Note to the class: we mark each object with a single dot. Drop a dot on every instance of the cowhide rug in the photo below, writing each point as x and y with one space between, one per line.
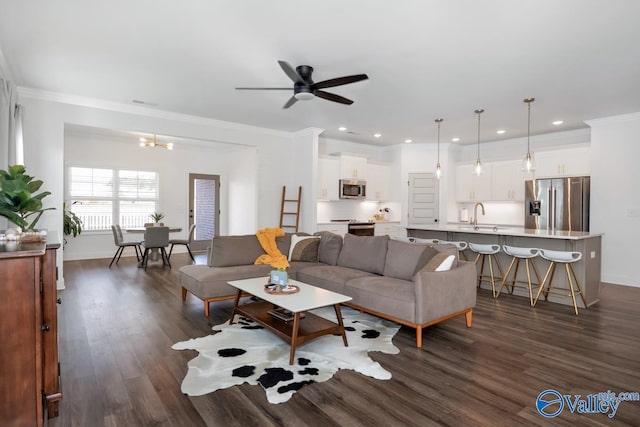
246 352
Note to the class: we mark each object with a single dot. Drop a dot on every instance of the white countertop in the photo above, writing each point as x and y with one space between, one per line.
346 223
507 231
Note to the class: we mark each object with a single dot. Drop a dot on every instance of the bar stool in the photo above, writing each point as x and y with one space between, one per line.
518 254
567 258
461 246
485 251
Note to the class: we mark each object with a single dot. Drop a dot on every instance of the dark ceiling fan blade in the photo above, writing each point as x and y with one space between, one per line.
263 88
332 97
341 81
289 71
290 102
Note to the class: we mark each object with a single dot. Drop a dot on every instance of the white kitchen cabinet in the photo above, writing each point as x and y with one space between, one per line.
507 181
377 182
340 229
470 187
567 162
328 179
352 167
392 229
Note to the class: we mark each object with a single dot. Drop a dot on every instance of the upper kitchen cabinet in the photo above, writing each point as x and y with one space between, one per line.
353 167
567 162
377 182
470 187
507 181
328 179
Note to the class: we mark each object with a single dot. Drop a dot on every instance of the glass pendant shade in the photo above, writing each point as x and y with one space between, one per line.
477 169
528 164
438 171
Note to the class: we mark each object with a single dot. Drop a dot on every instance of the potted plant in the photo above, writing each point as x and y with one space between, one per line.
18 203
72 223
157 217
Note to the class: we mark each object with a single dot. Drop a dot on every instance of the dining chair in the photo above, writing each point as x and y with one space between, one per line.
156 238
121 244
186 242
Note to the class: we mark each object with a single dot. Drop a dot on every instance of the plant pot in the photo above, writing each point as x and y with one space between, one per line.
279 278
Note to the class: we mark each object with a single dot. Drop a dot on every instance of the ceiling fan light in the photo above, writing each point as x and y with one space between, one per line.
304 94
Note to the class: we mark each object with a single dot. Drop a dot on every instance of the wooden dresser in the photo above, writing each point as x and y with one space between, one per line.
29 369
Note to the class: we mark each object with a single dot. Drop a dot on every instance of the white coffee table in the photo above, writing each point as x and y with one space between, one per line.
300 329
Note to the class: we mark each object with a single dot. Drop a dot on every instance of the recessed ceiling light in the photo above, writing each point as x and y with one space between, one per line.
342 128
455 139
501 131
408 141
377 135
557 122
143 139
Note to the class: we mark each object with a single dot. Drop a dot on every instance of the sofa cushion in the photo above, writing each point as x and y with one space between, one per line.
393 297
295 266
405 259
210 282
328 277
235 250
440 262
330 246
367 253
304 248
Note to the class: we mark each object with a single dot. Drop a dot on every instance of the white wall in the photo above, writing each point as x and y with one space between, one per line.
46 115
615 196
81 148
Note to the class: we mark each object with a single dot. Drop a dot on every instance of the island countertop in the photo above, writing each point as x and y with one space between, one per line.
507 231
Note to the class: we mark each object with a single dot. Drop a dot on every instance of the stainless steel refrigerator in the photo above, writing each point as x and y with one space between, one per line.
557 204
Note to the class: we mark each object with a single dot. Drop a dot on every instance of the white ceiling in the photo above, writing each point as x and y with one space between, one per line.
425 59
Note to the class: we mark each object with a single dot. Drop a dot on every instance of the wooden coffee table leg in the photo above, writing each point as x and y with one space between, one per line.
339 316
294 337
235 305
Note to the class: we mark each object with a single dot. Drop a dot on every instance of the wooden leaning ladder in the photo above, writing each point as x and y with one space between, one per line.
292 207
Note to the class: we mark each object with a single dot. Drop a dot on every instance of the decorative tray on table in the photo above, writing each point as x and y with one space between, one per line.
279 290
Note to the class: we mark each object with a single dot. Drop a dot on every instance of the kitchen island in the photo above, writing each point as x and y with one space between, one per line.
588 269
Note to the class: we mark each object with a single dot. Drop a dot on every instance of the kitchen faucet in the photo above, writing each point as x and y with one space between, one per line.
475 213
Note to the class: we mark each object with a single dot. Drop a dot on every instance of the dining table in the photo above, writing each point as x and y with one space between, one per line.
155 253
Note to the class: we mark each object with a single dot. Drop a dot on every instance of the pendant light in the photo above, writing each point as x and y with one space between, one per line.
527 162
438 170
477 170
144 142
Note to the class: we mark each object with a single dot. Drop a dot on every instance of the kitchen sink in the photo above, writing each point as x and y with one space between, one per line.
480 227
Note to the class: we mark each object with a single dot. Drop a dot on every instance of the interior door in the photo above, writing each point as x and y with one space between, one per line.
423 198
204 208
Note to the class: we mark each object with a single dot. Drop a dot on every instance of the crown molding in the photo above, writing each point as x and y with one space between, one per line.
101 104
614 119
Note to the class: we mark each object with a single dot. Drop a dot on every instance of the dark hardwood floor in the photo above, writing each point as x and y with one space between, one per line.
118 369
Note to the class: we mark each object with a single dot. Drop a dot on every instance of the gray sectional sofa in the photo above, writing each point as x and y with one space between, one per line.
388 278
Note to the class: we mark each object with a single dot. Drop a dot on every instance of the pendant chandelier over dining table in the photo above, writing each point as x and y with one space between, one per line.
144 142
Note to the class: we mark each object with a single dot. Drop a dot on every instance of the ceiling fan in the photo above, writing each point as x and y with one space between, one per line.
304 87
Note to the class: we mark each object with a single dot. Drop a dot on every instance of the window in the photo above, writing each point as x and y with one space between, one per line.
99 195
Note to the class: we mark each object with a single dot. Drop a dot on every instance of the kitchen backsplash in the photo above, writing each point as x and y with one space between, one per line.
505 213
355 209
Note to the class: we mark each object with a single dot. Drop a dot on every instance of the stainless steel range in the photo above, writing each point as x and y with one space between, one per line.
358 228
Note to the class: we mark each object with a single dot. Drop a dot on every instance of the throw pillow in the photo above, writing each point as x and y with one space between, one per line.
330 246
440 262
367 253
404 259
304 248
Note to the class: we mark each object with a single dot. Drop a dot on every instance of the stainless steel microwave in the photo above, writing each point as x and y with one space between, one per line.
353 189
